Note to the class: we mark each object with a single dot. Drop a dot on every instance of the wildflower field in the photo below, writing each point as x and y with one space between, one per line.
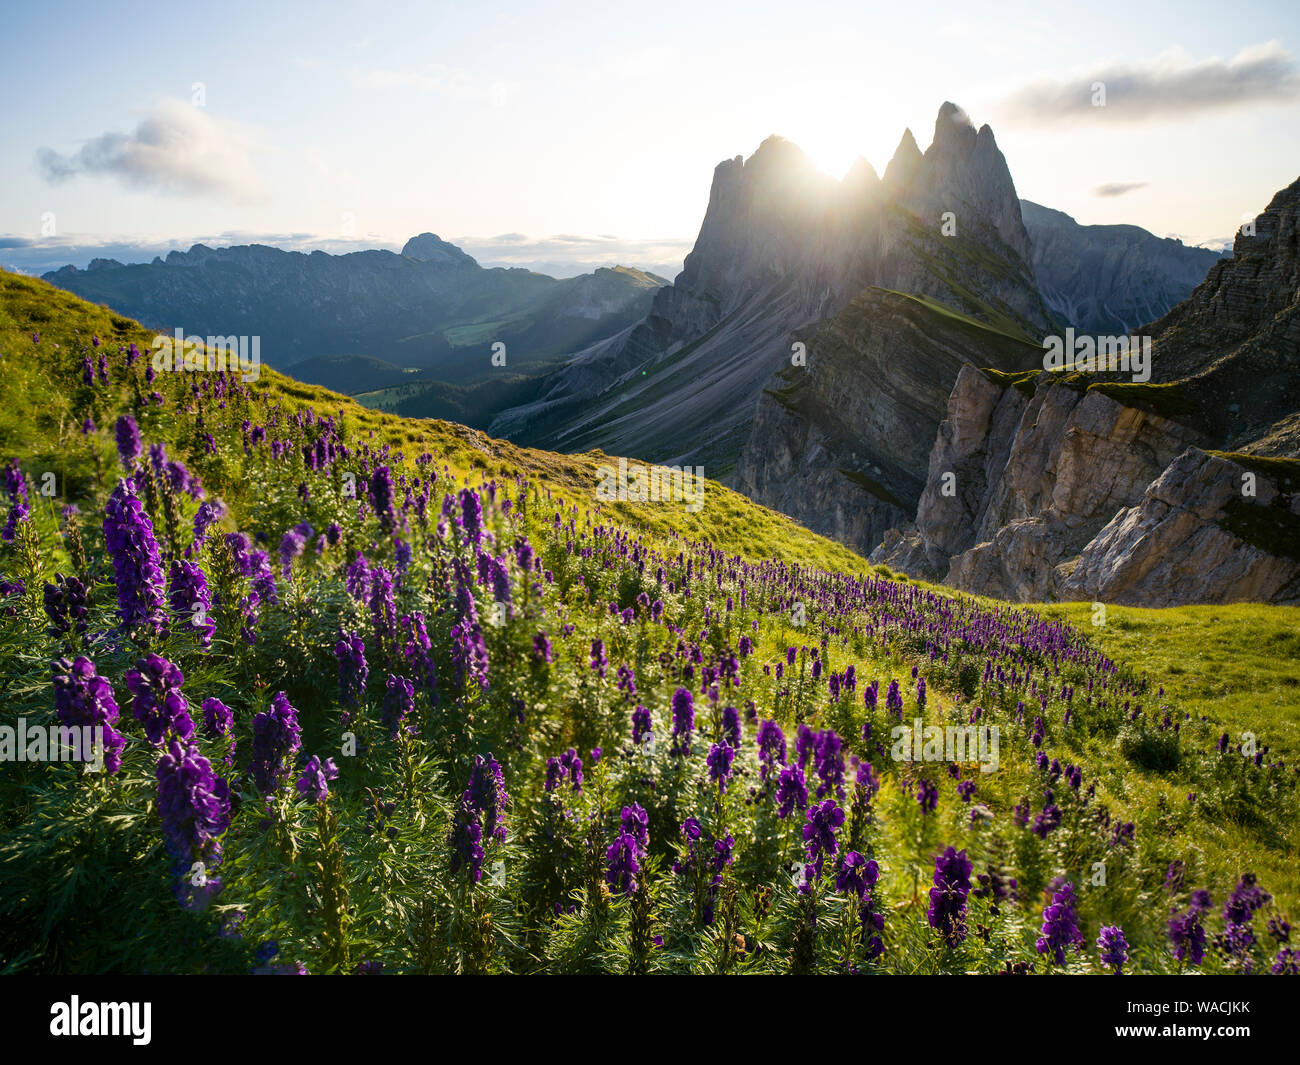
386 696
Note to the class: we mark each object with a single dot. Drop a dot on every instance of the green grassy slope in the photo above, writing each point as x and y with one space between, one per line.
43 427
1236 666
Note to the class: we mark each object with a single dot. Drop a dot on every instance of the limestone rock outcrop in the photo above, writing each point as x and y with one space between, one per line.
1197 537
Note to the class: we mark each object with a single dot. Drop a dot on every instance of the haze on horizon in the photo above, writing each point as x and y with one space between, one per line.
561 138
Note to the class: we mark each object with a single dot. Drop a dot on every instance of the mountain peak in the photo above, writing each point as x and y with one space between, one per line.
953 130
775 142
777 153
962 171
861 175
951 112
907 158
430 248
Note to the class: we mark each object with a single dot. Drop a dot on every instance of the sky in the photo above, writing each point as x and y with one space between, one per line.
568 135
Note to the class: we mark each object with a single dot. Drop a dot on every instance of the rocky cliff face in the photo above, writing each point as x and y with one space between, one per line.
1093 487
783 247
841 443
1040 489
1242 297
1233 347
1058 493
1108 280
1037 468
963 172
1196 536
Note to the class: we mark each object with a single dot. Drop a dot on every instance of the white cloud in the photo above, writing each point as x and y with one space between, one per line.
1118 188
1172 85
178 149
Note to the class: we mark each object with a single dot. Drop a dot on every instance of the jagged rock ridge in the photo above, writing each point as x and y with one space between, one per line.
783 247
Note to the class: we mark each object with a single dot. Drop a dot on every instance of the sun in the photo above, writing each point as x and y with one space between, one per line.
835 141
838 124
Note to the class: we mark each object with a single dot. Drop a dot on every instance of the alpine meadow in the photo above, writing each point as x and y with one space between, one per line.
898 578
381 694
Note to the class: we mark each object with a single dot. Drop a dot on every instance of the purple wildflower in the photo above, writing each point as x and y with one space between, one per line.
208 514
276 739
791 791
635 822
194 804
1187 935
481 807
731 726
313 785
819 838
1113 948
927 796
156 698
471 509
642 726
353 672
1060 926
418 652
137 562
947 912
719 761
469 653
66 605
624 858
219 723
771 747
683 721
84 699
857 875
1246 898
598 660
541 649
129 447
398 705
829 760
381 497
292 545
191 603
1050 818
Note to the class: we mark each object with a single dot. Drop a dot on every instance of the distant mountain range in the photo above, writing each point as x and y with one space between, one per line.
1109 279
371 316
